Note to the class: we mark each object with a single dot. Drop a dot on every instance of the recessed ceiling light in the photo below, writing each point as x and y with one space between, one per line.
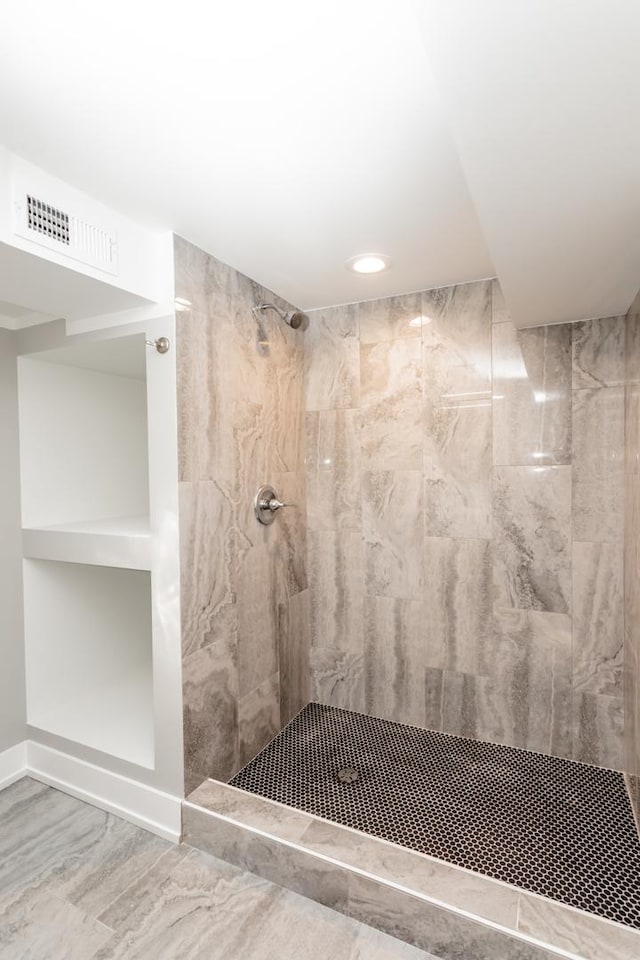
368 263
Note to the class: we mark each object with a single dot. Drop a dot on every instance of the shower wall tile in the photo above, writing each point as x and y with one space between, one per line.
598 352
258 718
598 622
288 551
457 463
394 658
337 678
525 700
532 558
598 470
632 558
531 395
457 410
257 620
293 655
457 330
391 402
210 705
208 548
598 730
458 622
507 534
499 310
336 574
392 529
333 470
391 318
450 701
333 359
240 424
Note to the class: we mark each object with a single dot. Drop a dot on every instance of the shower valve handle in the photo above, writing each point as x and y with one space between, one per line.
267 503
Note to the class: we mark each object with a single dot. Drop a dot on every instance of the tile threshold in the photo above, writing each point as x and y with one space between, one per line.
434 905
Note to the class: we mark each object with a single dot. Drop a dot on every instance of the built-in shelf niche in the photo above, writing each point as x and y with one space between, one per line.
89 656
83 451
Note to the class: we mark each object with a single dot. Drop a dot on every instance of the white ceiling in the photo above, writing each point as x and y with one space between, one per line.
543 99
285 138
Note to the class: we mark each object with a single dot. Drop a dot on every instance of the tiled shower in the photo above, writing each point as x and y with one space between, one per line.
460 553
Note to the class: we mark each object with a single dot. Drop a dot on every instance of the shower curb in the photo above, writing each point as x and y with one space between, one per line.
446 910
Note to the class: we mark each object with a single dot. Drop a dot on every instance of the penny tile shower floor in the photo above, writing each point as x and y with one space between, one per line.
555 827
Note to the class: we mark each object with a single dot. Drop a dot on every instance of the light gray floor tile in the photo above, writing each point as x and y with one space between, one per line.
157 902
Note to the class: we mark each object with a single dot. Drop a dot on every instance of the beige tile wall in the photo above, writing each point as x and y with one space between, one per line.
465 520
632 557
244 586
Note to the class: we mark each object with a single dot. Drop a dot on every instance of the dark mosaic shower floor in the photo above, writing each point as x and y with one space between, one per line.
561 829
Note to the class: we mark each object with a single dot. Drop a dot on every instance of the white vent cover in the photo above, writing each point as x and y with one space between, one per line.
61 230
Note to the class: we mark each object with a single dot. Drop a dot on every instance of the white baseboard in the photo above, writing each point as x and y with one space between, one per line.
13 764
158 812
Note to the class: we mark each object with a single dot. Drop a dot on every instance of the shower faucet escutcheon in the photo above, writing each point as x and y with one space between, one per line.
267 503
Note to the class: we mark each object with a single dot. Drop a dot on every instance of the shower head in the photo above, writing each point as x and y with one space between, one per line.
293 318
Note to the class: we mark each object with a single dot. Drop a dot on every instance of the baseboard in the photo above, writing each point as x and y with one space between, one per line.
158 812
13 764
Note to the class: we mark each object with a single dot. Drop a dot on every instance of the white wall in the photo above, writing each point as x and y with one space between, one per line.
12 688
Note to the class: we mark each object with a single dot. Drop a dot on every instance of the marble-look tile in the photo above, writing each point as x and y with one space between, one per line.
457 335
431 878
333 470
451 701
394 657
499 310
458 622
293 655
598 349
42 831
115 857
204 440
632 429
391 318
210 706
375 945
39 926
257 603
337 677
120 909
582 934
457 399
598 726
333 359
392 529
391 402
598 623
457 466
598 452
288 548
524 699
336 573
531 395
448 935
532 555
248 809
293 867
258 718
207 561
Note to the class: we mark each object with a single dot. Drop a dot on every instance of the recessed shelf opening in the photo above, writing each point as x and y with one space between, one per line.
89 656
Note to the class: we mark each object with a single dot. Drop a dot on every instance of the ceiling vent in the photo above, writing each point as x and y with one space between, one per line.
63 231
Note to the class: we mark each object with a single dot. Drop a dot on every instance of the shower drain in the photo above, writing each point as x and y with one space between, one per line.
347 775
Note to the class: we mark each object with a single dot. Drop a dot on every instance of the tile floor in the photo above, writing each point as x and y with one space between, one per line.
79 884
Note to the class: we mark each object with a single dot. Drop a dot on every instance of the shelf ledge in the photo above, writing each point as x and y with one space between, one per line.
113 542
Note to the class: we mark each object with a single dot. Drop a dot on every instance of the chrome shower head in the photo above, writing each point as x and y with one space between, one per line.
293 318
